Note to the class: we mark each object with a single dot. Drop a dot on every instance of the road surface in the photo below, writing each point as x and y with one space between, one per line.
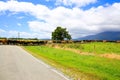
17 64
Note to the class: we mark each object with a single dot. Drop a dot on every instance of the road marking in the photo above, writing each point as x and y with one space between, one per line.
60 74
39 61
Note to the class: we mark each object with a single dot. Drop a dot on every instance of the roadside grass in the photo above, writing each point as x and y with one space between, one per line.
95 47
79 67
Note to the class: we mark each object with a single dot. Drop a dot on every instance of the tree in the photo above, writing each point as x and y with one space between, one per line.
60 34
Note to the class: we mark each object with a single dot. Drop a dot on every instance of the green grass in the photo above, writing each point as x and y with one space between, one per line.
75 65
95 47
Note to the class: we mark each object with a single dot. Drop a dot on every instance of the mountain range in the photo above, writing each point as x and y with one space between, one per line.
107 35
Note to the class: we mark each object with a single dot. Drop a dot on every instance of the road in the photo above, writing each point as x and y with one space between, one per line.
17 64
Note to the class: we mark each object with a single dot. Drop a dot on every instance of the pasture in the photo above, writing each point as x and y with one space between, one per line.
79 66
94 47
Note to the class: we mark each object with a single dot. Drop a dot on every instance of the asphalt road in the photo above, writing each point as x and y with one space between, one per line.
17 64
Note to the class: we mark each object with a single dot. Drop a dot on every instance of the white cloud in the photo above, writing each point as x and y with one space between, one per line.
79 22
27 35
47 0
20 17
19 24
12 0
14 34
6 26
78 3
2 31
37 26
42 28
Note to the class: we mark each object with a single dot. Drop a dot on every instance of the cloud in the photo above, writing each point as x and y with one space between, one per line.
12 0
78 22
14 34
86 22
20 17
37 26
42 28
6 26
19 24
2 31
78 3
47 0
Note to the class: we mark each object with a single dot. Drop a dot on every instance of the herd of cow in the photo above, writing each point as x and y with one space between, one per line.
5 41
21 42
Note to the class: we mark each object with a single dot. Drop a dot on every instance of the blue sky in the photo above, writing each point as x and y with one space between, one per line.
38 18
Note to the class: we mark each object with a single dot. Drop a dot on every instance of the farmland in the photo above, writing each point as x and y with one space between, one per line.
94 47
79 66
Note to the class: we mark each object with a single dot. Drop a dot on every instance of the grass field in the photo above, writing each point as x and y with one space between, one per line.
95 47
79 67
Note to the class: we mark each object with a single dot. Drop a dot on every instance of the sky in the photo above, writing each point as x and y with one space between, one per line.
39 18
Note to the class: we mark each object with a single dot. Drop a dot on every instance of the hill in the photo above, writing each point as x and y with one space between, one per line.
108 35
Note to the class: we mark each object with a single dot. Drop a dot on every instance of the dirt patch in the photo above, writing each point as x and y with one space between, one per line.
74 50
112 56
78 51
